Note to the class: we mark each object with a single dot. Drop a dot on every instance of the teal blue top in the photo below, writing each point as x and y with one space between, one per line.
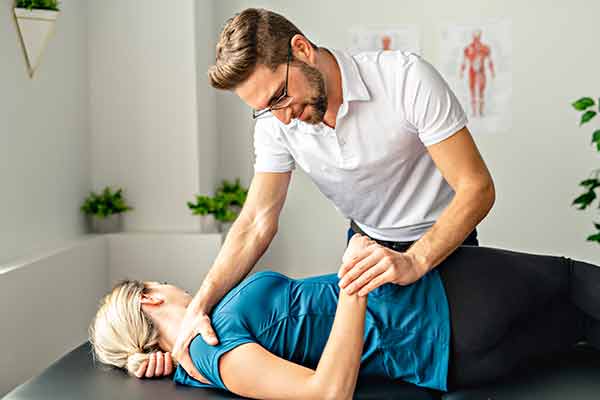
407 328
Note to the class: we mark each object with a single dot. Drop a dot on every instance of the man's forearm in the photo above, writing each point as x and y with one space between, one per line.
465 211
340 362
245 243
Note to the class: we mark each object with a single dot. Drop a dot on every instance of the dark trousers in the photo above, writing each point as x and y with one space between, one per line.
507 308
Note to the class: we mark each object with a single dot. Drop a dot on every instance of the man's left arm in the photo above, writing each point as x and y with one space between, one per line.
461 164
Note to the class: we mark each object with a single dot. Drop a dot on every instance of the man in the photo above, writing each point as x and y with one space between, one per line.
381 135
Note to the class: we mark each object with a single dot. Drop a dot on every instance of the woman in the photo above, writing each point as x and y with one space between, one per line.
314 340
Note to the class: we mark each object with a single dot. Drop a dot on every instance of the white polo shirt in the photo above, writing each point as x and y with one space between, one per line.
374 165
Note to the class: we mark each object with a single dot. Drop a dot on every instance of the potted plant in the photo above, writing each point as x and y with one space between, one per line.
206 208
35 20
234 193
105 210
587 106
218 213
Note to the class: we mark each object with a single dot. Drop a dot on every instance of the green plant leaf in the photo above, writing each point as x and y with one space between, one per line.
585 199
594 238
587 116
590 183
597 225
583 103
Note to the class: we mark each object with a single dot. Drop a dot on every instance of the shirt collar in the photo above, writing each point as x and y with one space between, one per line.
353 86
353 89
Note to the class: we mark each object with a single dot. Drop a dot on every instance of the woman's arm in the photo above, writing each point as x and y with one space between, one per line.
251 371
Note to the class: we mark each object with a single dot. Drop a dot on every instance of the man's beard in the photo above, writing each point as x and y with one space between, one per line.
318 100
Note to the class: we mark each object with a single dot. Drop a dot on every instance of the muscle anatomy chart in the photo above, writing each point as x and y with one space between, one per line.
476 61
401 37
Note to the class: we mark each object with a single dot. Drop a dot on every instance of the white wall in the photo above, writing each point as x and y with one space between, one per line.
536 165
143 109
46 305
44 142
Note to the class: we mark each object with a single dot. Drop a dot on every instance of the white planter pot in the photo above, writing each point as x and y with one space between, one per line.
225 227
208 224
111 224
35 28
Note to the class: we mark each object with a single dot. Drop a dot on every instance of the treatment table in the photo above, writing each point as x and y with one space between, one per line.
575 376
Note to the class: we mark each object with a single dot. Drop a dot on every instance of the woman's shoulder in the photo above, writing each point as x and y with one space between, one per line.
257 285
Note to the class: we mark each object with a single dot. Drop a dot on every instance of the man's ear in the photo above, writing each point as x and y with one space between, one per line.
303 50
152 299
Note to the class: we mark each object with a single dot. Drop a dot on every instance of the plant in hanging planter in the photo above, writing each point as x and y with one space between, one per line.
587 106
51 5
35 20
105 210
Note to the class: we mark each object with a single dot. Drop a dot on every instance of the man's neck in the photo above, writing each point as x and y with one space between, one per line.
333 84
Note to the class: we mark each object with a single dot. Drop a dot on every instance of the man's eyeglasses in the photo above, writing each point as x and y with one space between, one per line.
282 101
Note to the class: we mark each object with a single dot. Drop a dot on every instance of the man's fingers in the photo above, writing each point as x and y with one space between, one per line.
151 365
141 370
159 363
207 332
349 264
367 276
168 364
379 280
358 269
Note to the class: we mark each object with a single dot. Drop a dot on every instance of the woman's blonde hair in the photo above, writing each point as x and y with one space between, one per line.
121 333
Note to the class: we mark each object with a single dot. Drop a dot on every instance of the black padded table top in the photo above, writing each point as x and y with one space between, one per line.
575 377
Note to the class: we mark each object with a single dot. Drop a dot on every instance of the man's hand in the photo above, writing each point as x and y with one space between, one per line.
193 323
160 364
374 265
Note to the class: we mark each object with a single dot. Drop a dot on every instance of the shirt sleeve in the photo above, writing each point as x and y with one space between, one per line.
232 333
272 155
431 106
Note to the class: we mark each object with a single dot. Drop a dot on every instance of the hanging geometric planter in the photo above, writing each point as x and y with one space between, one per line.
35 28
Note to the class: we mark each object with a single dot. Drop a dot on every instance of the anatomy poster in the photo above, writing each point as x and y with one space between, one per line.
476 61
401 37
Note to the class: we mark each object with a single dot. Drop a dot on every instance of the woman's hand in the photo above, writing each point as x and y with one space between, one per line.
370 265
159 364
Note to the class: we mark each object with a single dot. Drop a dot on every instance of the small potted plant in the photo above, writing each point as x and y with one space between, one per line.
206 208
223 212
35 20
234 192
105 210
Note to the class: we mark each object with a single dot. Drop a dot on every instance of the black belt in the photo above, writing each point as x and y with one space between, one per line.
403 246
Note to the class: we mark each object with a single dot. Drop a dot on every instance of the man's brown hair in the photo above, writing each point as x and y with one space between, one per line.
254 36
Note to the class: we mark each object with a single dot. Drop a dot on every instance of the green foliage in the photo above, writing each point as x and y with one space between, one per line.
228 194
591 184
105 204
38 4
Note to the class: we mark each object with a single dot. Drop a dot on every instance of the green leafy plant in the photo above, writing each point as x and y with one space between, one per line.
105 204
586 106
38 4
233 192
228 194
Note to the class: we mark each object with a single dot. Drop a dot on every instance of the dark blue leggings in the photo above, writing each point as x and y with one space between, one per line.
507 308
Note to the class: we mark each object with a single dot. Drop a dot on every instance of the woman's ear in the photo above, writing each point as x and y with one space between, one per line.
153 299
